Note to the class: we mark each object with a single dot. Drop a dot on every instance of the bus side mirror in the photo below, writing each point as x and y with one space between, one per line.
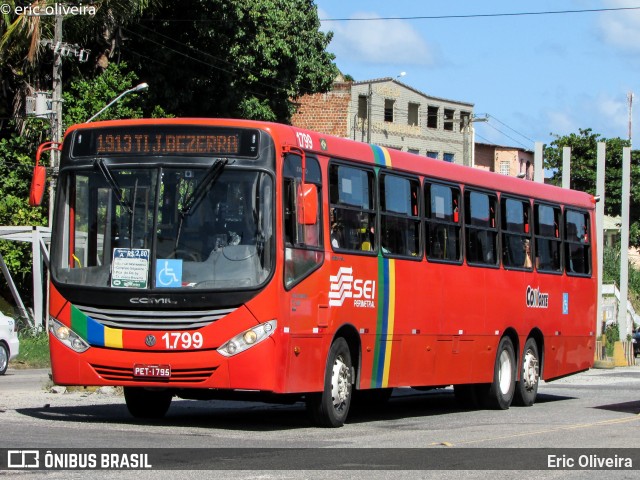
39 178
307 204
38 183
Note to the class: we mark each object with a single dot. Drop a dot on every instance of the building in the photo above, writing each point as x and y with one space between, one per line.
392 114
502 159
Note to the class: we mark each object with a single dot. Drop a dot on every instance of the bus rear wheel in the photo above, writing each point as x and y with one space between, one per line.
527 387
146 403
330 408
502 389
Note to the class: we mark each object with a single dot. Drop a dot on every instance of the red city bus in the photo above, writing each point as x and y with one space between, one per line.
209 258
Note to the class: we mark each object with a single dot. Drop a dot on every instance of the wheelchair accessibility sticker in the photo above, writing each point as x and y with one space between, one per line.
168 273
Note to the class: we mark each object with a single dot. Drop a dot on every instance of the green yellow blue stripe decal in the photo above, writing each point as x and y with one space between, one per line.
381 156
385 322
93 332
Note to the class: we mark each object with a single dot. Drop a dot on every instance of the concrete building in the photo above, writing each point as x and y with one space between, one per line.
505 160
389 113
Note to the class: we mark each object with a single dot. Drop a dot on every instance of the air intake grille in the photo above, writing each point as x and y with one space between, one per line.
154 320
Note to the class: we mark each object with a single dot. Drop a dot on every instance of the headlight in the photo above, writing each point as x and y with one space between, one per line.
67 336
248 339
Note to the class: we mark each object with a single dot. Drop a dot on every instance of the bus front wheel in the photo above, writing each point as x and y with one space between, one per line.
145 403
330 408
502 389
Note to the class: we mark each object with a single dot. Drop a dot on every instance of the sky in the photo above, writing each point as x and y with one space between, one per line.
536 76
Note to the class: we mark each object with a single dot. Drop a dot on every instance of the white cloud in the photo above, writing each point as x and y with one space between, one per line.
391 42
621 29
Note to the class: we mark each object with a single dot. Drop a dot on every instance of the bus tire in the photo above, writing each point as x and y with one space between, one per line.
527 387
330 408
145 403
502 389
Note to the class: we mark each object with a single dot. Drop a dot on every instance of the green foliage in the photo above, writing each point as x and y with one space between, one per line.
34 350
85 97
231 58
584 167
611 274
16 164
612 334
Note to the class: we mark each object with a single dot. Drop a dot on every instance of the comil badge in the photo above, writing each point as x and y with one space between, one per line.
345 286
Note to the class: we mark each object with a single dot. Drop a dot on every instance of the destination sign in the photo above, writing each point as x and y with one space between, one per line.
165 140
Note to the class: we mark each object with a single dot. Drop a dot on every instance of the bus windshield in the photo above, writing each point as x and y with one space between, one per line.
170 227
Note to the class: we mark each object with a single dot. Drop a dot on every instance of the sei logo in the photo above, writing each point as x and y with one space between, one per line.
344 285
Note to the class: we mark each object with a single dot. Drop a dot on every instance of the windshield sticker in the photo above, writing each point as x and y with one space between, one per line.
130 268
169 273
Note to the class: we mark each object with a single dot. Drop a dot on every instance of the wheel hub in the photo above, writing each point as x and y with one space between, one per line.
530 371
340 383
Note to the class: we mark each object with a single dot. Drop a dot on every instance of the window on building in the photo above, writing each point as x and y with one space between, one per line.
448 157
442 222
481 231
448 119
505 167
412 116
400 221
577 245
547 238
362 106
432 154
388 110
432 117
352 208
516 234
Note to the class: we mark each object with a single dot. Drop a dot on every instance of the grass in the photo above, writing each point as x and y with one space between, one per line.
34 351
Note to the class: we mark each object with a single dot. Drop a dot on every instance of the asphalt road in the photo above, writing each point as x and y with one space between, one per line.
592 411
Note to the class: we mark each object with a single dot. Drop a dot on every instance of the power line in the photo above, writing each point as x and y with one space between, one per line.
479 15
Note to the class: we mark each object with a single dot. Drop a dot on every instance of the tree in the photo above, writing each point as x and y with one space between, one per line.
583 172
236 58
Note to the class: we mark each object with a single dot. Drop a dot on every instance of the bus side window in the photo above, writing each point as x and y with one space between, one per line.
352 197
481 232
577 247
516 239
303 242
400 221
547 238
442 222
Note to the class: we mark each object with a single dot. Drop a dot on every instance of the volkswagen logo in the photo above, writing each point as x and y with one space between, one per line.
150 341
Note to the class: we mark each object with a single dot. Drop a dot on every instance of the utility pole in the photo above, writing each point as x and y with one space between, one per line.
630 103
56 118
369 100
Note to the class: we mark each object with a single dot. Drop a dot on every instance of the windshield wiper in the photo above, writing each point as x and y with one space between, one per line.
115 188
205 185
199 192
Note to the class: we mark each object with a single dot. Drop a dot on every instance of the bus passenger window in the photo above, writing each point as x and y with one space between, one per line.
547 238
516 236
442 225
577 246
400 221
481 231
352 198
